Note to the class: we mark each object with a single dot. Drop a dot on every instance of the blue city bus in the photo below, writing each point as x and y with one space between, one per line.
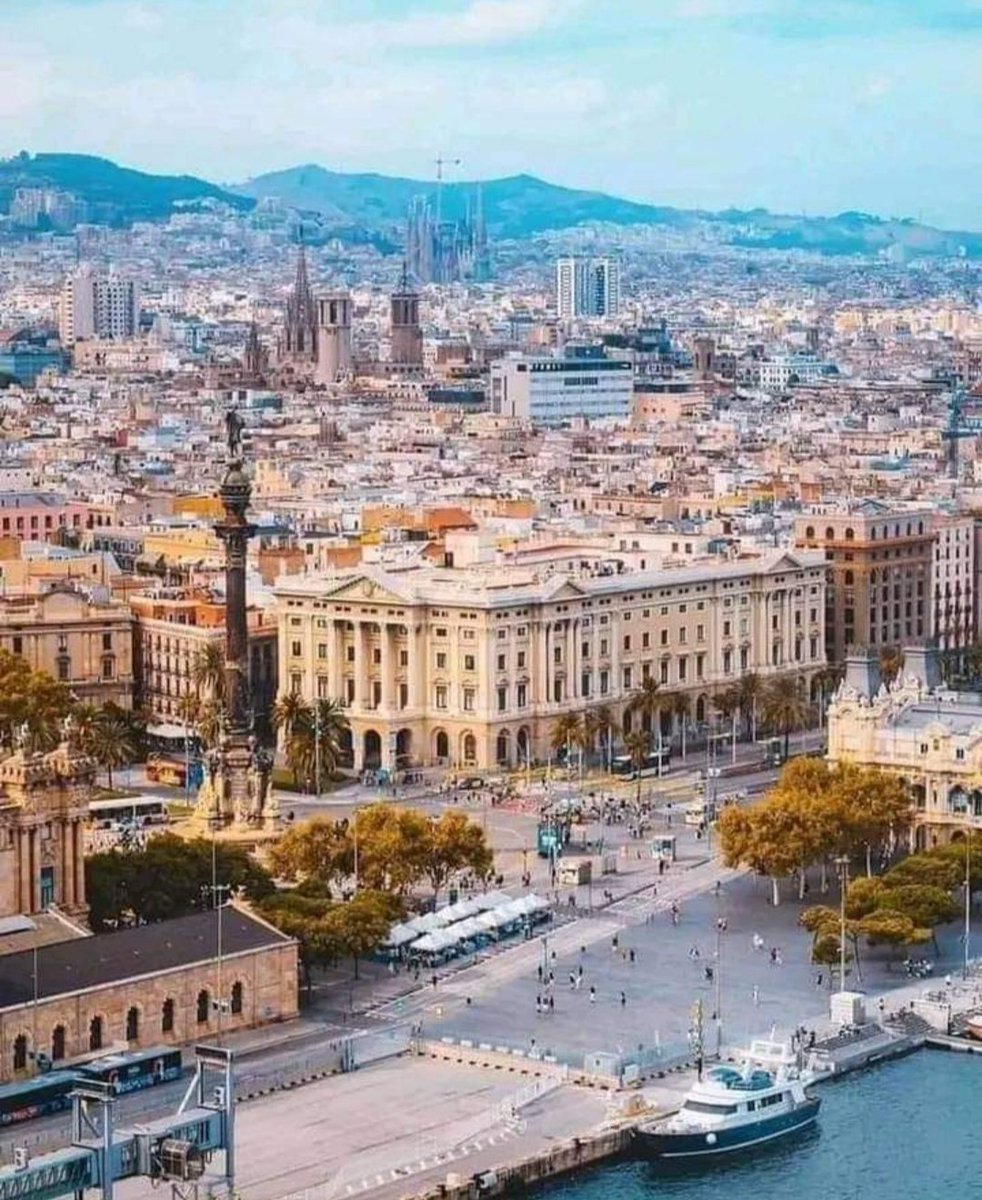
38 1097
132 1071
656 762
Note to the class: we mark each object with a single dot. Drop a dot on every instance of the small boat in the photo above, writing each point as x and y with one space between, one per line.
735 1108
974 1028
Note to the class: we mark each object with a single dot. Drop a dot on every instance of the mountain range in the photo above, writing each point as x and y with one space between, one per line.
516 206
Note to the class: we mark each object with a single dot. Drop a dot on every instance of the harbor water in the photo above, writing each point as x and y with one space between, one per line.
907 1130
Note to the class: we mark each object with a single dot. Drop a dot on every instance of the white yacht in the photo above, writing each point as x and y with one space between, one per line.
736 1108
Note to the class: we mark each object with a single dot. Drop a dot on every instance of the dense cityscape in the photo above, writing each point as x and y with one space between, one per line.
490 680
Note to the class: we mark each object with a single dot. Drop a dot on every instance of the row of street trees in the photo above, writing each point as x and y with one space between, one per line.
780 705
901 908
353 876
814 814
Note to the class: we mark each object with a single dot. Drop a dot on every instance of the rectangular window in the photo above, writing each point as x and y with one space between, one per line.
557 654
604 682
521 659
502 660
18 644
726 629
700 633
403 658
469 661
683 668
107 641
296 649
468 699
403 695
349 654
502 699
645 641
377 655
376 693
441 696
349 690
627 678
296 683
683 635
522 695
441 661
663 671
322 649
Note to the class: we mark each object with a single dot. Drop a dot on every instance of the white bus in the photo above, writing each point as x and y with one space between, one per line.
128 811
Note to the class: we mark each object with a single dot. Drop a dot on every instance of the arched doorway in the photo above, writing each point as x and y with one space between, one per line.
95 1033
373 750
522 745
701 710
58 1043
502 749
347 747
404 747
441 745
468 748
133 1024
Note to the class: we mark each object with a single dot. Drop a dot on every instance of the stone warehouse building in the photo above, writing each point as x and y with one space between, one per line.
471 666
160 984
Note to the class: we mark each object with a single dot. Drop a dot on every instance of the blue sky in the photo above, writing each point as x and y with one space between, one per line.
815 107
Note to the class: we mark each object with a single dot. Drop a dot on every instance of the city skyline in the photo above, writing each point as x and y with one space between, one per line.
621 107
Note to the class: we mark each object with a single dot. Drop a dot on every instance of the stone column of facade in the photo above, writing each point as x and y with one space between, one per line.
358 665
68 864
386 635
545 696
615 659
78 863
24 866
35 860
335 660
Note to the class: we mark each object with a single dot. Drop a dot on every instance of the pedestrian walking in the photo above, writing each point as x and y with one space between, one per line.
572 981
614 942
694 953
593 995
708 971
675 913
756 994
539 970
552 1005
623 1000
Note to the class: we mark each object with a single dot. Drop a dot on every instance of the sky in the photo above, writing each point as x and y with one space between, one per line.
813 107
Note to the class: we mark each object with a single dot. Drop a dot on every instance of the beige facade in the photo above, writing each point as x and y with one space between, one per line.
43 804
919 729
172 628
880 566
82 640
472 667
143 997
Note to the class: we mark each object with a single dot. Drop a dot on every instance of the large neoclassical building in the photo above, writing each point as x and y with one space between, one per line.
918 728
471 666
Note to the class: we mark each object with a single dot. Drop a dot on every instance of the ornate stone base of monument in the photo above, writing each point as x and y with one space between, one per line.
236 801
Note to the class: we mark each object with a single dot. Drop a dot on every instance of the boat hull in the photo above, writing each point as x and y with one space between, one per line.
712 1144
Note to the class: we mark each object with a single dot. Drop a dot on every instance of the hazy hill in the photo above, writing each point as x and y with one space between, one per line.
115 195
515 206
520 205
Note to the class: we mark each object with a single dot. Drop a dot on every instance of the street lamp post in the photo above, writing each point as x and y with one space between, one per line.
842 862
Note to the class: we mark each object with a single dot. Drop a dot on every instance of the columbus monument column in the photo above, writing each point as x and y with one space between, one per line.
236 793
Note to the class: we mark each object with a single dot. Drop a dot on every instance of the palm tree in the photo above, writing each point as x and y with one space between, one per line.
827 679
647 703
291 712
113 741
208 670
328 726
680 706
638 744
891 660
748 689
784 706
567 731
85 717
598 722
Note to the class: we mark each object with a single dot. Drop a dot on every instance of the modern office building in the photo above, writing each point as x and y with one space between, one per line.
587 288
582 383
472 665
96 306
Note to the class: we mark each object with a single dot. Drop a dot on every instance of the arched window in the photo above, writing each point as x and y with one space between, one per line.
236 997
503 748
442 745
203 1006
810 533
57 1043
830 534
470 748
133 1024
850 534
167 1017
20 1052
95 1033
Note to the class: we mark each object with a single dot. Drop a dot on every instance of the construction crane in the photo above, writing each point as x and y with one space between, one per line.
442 162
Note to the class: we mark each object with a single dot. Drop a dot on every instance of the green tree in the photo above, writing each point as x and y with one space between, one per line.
567 732
680 707
320 850
784 706
208 671
456 844
113 741
358 927
598 726
169 877
30 701
646 703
